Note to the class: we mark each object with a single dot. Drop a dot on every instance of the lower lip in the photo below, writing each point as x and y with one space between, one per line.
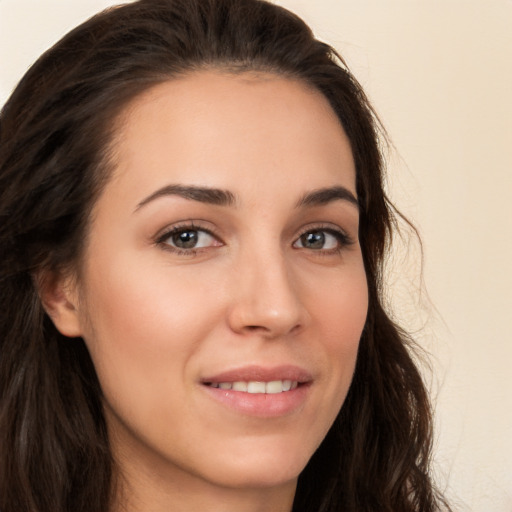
263 405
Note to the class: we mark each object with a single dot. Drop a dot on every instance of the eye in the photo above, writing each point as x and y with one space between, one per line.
188 238
322 239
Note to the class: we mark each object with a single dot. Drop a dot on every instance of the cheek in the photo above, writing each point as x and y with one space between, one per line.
142 328
132 299
345 313
341 315
340 308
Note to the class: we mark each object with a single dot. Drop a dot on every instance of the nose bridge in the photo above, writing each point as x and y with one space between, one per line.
266 297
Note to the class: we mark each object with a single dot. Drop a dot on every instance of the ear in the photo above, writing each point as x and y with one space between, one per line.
59 296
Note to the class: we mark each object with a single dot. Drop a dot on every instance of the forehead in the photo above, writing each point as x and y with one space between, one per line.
219 129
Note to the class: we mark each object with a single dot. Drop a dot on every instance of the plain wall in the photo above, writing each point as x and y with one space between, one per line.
440 76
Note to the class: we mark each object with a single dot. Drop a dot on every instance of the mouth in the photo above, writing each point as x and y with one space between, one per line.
261 391
272 387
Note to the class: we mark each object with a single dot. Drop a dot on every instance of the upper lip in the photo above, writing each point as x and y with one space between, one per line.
261 374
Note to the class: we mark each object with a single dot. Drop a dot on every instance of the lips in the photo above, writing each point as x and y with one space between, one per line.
260 391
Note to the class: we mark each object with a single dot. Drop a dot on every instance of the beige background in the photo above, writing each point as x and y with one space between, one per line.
440 75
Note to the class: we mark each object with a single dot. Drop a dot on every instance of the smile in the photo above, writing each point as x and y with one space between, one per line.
260 391
257 387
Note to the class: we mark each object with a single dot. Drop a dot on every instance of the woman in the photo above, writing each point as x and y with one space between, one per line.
192 232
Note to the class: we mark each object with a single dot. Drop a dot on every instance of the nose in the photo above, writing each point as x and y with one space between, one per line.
266 298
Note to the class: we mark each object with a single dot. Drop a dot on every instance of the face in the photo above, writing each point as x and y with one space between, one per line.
223 293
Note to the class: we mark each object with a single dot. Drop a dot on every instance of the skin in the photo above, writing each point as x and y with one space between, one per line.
158 320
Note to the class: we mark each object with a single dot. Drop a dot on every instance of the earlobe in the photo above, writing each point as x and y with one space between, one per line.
59 298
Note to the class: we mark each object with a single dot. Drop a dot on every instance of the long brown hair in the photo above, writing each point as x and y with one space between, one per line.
55 135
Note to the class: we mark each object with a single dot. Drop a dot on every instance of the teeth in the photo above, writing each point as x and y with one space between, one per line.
239 386
256 387
276 386
253 387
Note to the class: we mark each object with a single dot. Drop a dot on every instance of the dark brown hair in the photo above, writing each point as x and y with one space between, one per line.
55 135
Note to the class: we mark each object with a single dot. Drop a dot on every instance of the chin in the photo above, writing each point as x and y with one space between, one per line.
260 470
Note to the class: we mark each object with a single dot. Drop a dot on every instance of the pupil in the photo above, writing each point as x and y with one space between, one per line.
185 239
314 240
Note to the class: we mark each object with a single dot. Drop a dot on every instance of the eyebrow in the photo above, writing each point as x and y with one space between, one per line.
220 197
207 195
326 195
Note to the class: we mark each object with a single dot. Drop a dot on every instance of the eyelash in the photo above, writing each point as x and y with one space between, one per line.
182 228
343 239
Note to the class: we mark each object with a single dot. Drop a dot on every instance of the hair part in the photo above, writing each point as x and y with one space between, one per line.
57 149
